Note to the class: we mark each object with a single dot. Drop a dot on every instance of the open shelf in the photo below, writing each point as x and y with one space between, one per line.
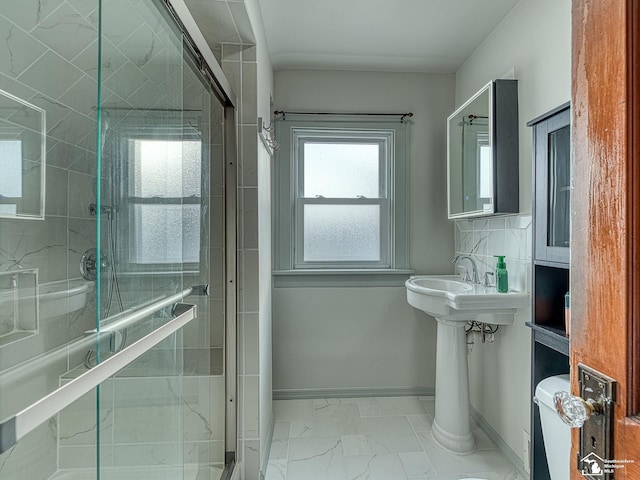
550 286
551 337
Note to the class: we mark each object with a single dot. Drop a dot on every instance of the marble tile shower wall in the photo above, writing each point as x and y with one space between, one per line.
141 425
509 236
48 57
45 60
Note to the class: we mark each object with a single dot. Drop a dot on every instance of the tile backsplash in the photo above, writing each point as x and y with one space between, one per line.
510 236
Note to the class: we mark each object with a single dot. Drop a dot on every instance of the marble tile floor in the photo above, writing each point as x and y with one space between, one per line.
381 438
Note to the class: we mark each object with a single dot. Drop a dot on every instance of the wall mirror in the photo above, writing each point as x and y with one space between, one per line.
22 158
482 154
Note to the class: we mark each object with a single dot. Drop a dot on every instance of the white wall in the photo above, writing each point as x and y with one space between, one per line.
535 39
369 338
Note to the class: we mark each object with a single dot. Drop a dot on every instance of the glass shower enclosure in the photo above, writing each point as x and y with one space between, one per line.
112 245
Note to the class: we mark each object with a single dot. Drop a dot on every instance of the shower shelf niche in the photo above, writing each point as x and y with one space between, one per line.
25 304
19 316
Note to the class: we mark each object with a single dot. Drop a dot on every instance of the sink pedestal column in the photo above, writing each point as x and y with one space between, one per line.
453 303
452 423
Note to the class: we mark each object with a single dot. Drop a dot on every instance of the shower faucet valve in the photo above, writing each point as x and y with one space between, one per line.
89 264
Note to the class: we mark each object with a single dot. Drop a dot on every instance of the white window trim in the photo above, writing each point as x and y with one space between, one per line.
393 268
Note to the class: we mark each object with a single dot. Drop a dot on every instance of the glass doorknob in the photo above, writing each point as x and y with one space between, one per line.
574 411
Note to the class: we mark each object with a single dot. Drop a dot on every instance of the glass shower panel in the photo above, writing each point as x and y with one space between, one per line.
144 160
141 419
113 140
47 149
141 190
136 425
203 383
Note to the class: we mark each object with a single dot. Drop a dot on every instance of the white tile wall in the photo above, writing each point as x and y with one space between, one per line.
509 236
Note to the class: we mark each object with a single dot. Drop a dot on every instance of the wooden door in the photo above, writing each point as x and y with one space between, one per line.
605 253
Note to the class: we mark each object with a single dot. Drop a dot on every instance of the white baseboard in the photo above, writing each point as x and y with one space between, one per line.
513 458
308 393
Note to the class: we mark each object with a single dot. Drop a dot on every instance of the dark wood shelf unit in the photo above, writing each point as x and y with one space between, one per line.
549 341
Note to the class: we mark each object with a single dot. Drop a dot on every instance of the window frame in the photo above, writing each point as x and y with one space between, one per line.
384 140
293 132
179 125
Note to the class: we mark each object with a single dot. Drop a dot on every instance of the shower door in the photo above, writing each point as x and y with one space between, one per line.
112 245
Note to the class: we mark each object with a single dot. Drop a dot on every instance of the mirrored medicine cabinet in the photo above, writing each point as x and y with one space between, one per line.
482 153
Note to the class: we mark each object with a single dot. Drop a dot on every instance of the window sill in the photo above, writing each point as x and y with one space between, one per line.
340 278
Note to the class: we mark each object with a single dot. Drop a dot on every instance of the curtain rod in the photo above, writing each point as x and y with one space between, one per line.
283 114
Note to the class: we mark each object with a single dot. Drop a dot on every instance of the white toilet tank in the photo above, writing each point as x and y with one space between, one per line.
556 434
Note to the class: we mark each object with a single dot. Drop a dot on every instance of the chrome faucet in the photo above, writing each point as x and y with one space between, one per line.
474 268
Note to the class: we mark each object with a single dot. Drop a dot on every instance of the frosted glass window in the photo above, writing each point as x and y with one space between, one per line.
338 233
8 209
166 234
11 167
165 189
191 233
341 170
161 165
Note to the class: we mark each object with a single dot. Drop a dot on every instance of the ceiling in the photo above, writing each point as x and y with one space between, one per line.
222 21
434 36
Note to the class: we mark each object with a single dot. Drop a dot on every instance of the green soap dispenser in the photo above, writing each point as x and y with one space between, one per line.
502 276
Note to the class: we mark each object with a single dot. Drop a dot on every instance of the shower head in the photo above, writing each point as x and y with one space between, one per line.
107 210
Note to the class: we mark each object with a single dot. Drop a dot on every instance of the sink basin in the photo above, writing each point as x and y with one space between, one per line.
453 303
446 297
438 283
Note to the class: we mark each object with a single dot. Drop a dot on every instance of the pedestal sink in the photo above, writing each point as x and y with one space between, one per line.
453 303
